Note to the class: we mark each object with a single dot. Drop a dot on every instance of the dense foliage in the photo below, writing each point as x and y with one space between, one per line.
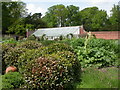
50 72
92 18
98 57
12 80
12 55
42 51
11 12
53 53
96 52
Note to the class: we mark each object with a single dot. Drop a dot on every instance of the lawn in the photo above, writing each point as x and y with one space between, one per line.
0 82
99 78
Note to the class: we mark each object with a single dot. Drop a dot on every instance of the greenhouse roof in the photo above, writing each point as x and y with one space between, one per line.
57 31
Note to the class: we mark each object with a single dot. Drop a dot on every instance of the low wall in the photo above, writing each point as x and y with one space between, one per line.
103 34
107 34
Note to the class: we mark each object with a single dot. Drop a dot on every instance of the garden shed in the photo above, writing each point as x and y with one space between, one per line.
53 33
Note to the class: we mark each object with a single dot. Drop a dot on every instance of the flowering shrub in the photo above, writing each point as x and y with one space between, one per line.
49 72
31 62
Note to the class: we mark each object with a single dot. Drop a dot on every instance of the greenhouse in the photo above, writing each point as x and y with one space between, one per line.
52 33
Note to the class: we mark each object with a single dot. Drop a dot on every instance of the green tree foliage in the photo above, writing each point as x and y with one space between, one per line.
115 17
35 20
56 15
30 22
93 19
19 27
12 11
73 16
113 22
59 15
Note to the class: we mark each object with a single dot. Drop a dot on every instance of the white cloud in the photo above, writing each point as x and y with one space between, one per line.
35 6
100 1
32 8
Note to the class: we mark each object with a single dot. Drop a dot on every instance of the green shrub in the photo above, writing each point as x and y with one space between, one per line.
54 52
10 40
12 80
12 55
5 48
29 45
98 52
96 57
110 45
42 51
72 58
51 71
27 57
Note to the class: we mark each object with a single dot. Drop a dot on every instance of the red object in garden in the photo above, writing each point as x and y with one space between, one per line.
10 68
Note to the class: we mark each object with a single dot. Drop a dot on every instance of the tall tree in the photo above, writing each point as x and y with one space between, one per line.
35 20
12 11
92 18
72 16
56 15
115 17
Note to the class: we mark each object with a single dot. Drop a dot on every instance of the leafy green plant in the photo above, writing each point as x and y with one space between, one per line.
110 45
98 52
7 46
77 42
96 57
55 52
72 58
10 41
12 80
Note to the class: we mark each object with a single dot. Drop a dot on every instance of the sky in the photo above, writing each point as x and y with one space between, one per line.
41 6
